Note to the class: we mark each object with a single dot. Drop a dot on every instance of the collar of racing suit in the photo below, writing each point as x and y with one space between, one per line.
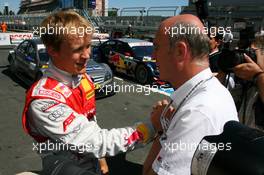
66 78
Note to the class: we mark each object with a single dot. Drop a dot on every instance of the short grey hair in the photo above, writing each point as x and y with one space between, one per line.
197 41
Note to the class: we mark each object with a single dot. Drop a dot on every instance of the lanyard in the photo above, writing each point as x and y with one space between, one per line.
165 122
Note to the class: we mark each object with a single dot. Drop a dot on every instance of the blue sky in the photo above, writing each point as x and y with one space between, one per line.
144 3
14 4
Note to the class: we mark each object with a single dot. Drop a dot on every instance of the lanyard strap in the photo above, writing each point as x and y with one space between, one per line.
165 122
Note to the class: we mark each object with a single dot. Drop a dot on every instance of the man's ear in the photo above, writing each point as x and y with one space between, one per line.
52 52
180 51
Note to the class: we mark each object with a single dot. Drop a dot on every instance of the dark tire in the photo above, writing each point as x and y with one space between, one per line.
142 74
9 58
12 66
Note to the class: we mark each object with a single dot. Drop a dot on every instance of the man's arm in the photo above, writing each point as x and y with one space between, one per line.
154 151
251 70
248 70
61 123
156 146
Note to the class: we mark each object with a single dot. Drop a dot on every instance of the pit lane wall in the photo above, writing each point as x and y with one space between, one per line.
13 38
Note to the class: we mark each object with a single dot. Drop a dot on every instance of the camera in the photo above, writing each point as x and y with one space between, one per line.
237 150
228 59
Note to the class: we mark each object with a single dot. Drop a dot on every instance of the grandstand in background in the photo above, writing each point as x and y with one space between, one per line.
234 13
241 15
144 21
94 7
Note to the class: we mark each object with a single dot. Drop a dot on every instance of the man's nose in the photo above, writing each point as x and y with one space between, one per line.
86 53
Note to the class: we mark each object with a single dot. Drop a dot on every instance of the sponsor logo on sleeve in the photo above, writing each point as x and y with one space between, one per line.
68 121
49 93
56 114
134 137
48 105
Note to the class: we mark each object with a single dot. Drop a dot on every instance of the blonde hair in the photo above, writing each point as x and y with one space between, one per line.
63 25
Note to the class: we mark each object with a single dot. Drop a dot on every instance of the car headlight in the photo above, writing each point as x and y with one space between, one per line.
108 75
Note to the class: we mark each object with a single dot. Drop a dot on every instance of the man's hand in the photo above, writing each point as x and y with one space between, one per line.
157 111
246 71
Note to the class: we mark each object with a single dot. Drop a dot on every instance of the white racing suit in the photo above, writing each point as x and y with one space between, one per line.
60 123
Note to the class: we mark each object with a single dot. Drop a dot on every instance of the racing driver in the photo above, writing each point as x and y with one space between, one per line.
59 111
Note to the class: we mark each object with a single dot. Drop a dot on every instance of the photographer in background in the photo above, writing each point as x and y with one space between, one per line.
252 108
248 93
215 51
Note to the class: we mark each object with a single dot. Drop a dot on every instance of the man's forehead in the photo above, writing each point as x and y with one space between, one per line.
74 40
78 36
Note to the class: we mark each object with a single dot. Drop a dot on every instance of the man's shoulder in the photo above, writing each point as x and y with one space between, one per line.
211 91
215 88
216 97
215 102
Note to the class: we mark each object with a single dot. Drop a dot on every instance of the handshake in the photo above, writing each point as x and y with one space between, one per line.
161 115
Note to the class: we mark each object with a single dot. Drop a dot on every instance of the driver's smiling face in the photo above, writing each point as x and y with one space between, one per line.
73 54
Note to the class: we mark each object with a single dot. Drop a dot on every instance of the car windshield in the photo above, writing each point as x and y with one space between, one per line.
141 51
43 55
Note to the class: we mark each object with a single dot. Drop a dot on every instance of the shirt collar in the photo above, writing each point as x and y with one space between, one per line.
66 78
178 95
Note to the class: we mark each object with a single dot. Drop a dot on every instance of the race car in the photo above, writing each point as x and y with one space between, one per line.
132 57
29 60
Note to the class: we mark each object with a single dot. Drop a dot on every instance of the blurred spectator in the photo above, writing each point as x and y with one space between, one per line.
129 33
215 50
4 27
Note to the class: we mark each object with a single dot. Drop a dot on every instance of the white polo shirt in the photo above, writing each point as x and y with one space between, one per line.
205 112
